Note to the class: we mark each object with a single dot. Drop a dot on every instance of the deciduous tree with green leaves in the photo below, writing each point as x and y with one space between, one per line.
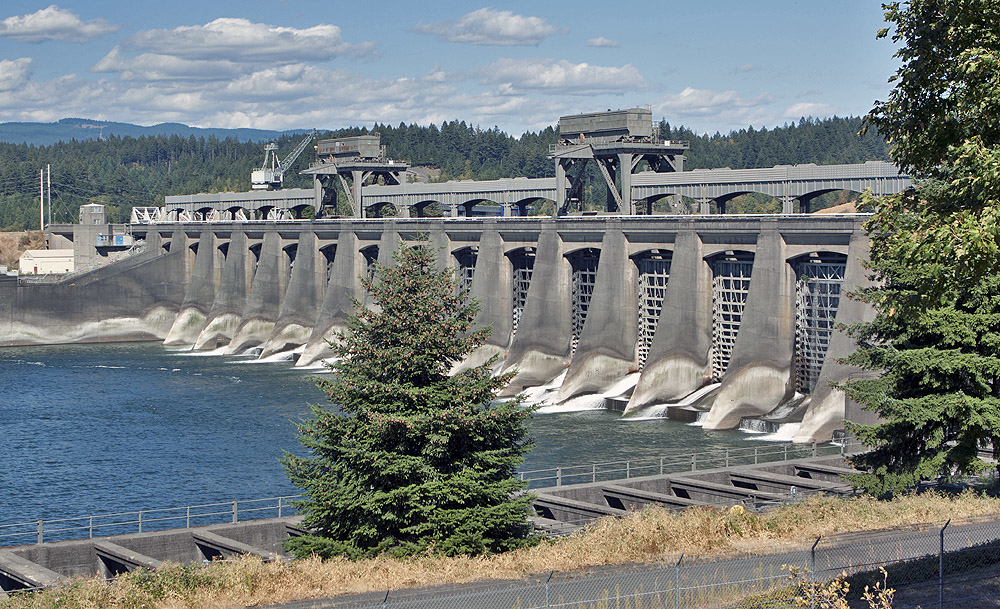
935 341
413 459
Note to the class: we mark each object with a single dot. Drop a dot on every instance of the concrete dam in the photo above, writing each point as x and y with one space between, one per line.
720 319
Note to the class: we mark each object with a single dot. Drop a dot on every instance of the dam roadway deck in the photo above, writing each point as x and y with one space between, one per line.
723 317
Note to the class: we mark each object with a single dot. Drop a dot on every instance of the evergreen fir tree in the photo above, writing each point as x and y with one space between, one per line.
415 459
935 340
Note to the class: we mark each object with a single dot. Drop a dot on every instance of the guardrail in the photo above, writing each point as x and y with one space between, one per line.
680 462
139 521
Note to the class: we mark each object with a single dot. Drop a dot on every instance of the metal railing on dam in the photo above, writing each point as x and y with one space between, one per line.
165 518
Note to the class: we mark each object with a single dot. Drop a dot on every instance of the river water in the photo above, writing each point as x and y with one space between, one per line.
88 429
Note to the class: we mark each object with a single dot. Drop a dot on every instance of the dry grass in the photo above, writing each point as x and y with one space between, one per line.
648 536
13 244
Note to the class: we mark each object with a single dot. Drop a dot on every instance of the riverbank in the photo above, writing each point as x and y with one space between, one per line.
13 244
646 537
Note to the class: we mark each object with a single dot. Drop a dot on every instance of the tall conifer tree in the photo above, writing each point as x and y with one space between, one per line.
935 341
415 459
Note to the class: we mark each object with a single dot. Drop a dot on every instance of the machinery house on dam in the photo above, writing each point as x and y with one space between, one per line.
725 319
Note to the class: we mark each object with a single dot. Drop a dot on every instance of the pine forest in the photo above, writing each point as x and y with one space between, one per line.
125 172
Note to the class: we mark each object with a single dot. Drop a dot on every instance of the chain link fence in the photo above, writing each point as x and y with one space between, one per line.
954 565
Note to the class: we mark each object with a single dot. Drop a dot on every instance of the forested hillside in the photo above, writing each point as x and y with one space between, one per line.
122 172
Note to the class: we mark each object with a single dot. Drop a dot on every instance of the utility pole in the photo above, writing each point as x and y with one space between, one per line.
48 180
41 199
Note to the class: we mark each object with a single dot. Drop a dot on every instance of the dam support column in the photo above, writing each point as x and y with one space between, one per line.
828 405
606 351
264 300
199 296
543 342
154 243
439 242
759 376
230 299
344 287
302 300
387 246
179 246
678 361
492 287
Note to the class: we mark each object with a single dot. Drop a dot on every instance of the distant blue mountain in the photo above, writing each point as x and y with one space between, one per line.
67 129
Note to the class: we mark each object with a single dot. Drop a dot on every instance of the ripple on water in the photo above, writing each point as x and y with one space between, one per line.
105 428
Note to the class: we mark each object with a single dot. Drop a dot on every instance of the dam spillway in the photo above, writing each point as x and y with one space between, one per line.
744 302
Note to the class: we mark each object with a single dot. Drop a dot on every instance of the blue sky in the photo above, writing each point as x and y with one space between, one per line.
284 64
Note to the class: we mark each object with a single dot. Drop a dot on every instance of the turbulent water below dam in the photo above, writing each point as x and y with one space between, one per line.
93 429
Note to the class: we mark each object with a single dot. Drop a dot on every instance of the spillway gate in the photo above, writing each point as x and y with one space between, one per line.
817 297
654 273
730 286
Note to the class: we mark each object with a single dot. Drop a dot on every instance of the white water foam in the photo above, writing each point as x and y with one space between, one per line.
786 433
658 411
540 395
649 413
280 356
700 421
192 353
320 366
592 401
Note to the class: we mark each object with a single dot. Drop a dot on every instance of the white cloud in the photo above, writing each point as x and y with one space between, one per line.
58 98
808 109
715 110
152 67
704 102
240 40
53 23
513 76
601 41
14 73
490 27
747 67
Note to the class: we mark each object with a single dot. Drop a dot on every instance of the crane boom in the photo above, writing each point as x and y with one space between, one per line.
271 174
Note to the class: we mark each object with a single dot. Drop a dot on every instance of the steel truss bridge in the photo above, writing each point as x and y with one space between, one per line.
513 196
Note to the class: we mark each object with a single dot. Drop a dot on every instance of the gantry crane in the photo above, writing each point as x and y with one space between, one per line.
270 175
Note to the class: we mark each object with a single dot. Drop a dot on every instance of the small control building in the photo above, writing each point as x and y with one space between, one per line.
46 262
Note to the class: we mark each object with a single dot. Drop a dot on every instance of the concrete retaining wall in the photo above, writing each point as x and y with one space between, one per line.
43 565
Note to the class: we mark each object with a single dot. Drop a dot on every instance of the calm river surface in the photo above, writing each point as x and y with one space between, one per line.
87 429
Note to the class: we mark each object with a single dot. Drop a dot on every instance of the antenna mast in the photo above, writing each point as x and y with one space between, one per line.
41 199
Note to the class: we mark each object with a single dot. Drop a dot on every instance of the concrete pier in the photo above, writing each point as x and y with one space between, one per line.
230 299
759 374
678 361
343 289
200 294
302 299
541 347
264 300
606 351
